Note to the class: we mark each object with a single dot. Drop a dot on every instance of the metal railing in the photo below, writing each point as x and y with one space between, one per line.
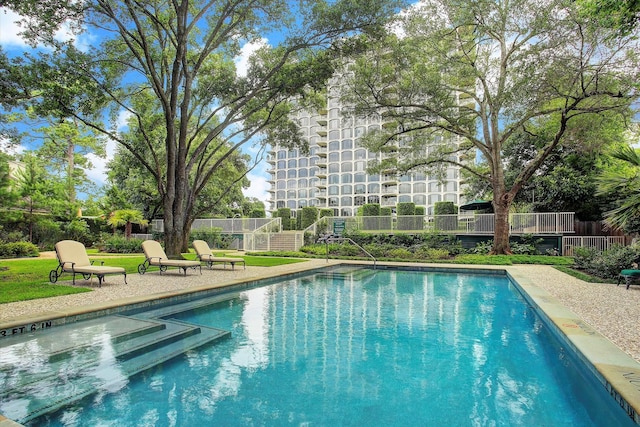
225 225
260 238
332 239
601 243
520 223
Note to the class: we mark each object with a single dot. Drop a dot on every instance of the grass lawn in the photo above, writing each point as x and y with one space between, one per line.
27 279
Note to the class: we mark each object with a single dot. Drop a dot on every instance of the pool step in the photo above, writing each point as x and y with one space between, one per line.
344 273
51 370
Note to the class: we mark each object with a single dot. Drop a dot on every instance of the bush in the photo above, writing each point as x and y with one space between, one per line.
400 253
606 264
18 250
371 209
406 208
121 245
431 253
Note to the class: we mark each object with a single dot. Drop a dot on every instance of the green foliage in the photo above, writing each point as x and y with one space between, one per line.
385 211
606 264
285 214
122 245
326 212
624 182
371 209
444 208
78 229
309 216
18 250
420 210
213 237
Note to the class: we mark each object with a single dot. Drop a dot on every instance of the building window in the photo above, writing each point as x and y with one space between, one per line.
334 134
346 201
373 188
359 189
373 199
346 189
347 155
347 178
281 174
334 190
359 177
293 163
334 179
303 162
347 167
334 146
420 199
347 144
291 173
420 187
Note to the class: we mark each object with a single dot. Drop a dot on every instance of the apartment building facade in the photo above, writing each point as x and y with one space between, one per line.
334 173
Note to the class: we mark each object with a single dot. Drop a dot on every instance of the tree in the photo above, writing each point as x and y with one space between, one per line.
621 15
461 77
65 150
126 217
180 54
567 180
625 183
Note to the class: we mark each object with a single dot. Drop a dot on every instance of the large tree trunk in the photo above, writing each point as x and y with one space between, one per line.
501 206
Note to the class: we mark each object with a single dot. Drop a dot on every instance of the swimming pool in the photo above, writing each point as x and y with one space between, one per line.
345 347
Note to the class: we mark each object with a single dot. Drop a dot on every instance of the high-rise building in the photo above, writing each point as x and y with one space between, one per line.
334 174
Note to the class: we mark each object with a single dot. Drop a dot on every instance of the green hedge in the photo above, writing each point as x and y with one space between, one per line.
18 250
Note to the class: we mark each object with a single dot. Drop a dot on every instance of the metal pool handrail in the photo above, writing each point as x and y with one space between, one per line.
330 239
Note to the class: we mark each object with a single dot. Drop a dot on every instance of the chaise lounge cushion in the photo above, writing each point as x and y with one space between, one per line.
73 258
156 256
204 254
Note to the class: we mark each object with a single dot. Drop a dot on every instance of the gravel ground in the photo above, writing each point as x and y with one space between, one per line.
612 310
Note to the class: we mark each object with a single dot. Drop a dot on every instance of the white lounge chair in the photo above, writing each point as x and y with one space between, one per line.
72 258
204 254
155 256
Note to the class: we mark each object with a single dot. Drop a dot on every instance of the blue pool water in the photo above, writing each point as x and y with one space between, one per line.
383 347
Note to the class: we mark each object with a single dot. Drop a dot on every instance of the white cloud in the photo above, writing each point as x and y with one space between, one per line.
122 121
10 30
259 188
242 61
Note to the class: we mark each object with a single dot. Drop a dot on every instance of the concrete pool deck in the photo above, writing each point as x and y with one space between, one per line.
600 320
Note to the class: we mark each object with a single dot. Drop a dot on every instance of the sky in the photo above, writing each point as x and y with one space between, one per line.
13 44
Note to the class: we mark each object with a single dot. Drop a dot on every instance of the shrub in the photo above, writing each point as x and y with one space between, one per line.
406 208
371 209
431 253
400 253
482 248
285 214
309 216
121 245
18 249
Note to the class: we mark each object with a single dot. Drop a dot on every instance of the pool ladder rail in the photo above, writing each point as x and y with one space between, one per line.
331 238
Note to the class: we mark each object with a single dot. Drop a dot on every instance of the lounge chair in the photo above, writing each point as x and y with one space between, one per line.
155 256
72 258
631 277
204 255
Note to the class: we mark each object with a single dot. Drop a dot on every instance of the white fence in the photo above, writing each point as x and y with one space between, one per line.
519 223
226 225
602 243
